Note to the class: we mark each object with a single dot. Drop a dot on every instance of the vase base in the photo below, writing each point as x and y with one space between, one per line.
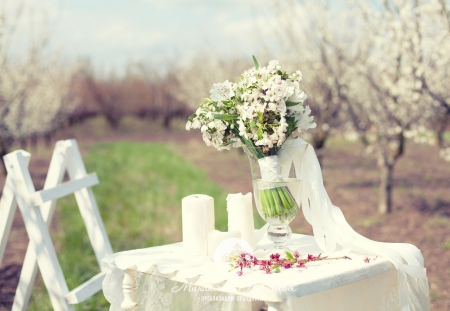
279 235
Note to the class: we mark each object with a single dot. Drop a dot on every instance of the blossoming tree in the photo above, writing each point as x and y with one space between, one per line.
303 32
383 85
35 94
196 74
435 37
375 64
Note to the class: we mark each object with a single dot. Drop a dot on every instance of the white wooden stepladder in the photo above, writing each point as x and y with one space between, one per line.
37 209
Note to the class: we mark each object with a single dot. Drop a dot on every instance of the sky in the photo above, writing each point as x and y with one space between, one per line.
113 32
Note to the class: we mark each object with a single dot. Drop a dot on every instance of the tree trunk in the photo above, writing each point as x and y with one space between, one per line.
167 120
443 123
318 142
113 121
3 151
386 186
48 139
23 144
33 142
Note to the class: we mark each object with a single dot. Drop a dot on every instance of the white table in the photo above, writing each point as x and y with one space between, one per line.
159 278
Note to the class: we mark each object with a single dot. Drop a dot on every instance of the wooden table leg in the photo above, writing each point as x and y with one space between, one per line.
274 306
129 288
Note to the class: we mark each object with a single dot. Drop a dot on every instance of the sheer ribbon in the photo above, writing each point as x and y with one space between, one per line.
270 168
331 229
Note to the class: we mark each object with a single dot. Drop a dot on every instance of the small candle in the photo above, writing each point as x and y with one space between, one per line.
216 237
240 216
197 221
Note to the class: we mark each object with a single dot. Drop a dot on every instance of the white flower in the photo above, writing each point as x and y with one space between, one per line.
283 127
188 126
274 65
260 97
282 107
207 138
297 76
281 139
265 141
222 91
242 129
196 124
304 120
297 97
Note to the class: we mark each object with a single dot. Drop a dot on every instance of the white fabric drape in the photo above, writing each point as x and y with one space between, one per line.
155 293
323 285
331 229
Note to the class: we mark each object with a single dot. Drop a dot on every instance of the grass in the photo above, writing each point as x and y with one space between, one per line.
139 197
447 136
447 245
437 221
370 221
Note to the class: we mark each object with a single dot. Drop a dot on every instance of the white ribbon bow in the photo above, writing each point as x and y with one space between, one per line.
331 229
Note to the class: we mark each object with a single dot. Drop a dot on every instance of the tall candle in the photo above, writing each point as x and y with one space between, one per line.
216 237
198 221
240 216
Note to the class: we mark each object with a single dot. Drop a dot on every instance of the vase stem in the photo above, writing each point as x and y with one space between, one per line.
279 235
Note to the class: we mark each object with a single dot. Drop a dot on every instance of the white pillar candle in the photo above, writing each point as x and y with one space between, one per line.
216 237
198 221
240 216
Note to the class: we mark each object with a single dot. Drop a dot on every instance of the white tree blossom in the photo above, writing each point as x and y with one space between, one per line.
435 39
35 91
367 63
303 32
197 73
382 84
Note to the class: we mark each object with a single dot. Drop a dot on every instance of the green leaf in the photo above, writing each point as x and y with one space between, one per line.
290 119
277 270
253 124
291 104
259 133
206 101
260 117
256 62
228 143
289 255
225 116
191 117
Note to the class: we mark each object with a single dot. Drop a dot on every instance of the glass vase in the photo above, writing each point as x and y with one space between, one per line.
277 199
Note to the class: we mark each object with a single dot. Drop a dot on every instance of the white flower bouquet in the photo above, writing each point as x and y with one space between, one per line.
259 111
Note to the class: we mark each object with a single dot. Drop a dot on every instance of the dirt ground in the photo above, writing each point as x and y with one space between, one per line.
421 213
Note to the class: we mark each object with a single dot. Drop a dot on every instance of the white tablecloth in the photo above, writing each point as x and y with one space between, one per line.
166 280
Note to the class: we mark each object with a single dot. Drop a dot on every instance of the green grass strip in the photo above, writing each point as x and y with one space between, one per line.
139 197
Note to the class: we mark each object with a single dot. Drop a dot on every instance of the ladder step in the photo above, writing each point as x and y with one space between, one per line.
86 290
64 189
